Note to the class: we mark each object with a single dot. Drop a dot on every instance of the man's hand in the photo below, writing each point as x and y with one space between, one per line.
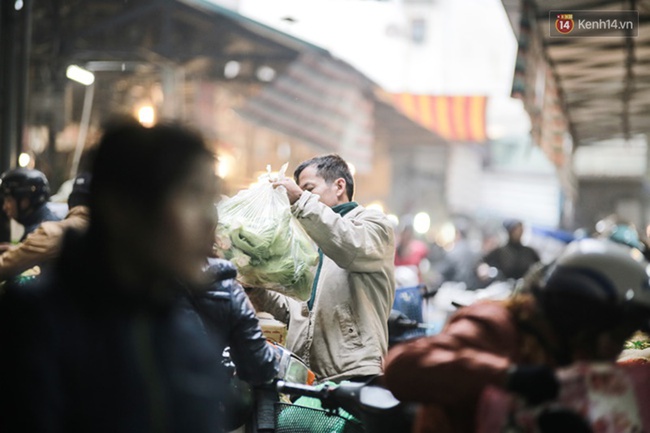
293 190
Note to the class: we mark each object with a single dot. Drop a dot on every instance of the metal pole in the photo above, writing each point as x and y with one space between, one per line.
14 61
83 128
5 227
22 97
9 49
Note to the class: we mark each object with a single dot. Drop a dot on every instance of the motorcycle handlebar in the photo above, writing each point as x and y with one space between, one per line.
300 389
376 407
351 396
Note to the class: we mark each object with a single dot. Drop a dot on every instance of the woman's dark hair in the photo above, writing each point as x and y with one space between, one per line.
329 167
142 165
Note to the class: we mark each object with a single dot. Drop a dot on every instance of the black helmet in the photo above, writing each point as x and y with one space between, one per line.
601 269
28 183
595 284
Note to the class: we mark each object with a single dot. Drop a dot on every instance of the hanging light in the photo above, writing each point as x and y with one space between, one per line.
24 159
265 73
225 165
146 116
232 69
80 75
421 222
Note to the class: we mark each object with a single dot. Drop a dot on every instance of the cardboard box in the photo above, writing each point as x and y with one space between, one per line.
272 329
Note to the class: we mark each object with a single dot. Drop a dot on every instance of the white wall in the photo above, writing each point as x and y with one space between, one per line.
470 49
531 197
612 158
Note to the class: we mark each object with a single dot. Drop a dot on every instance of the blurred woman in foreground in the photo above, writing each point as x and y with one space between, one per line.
106 342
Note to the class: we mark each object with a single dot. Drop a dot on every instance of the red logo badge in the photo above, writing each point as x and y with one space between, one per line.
564 23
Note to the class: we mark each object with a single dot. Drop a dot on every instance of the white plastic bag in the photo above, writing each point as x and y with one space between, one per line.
258 233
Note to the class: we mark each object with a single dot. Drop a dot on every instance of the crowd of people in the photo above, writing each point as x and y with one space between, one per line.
580 309
125 324
473 261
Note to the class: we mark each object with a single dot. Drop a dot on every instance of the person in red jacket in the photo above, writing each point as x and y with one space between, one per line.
410 251
582 307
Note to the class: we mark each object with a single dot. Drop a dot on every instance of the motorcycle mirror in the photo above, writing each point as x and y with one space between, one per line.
378 398
367 397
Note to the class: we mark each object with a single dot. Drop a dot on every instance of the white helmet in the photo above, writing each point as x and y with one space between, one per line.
603 270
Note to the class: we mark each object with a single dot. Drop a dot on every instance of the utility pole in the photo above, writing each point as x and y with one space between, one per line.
15 40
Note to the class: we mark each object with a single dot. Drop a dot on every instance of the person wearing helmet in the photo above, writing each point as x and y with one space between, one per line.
622 232
44 243
25 193
580 308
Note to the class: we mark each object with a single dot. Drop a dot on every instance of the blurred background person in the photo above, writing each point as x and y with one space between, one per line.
621 231
511 260
44 243
107 341
25 193
461 260
409 250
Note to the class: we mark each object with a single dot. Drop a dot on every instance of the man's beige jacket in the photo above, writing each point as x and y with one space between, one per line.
345 334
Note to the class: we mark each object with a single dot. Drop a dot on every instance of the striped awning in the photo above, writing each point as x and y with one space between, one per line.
455 118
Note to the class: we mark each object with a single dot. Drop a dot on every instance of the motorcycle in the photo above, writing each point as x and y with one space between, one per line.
292 403
261 416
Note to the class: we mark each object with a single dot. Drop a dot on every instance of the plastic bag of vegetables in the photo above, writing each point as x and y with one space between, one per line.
259 235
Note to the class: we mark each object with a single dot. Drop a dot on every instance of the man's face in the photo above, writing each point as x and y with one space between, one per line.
516 232
330 194
10 207
183 235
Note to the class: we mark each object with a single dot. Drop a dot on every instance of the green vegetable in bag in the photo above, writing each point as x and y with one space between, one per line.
258 233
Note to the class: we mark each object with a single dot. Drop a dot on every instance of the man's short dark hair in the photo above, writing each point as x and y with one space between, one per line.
329 167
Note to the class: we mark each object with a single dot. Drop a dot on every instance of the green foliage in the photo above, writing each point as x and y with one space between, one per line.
271 250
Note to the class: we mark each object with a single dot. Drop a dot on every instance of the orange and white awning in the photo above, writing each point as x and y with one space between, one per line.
455 118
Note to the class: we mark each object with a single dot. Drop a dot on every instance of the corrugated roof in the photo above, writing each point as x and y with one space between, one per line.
603 82
256 26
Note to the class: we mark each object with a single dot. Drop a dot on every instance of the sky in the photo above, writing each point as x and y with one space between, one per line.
469 46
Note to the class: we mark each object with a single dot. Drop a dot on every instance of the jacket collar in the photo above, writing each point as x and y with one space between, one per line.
344 208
